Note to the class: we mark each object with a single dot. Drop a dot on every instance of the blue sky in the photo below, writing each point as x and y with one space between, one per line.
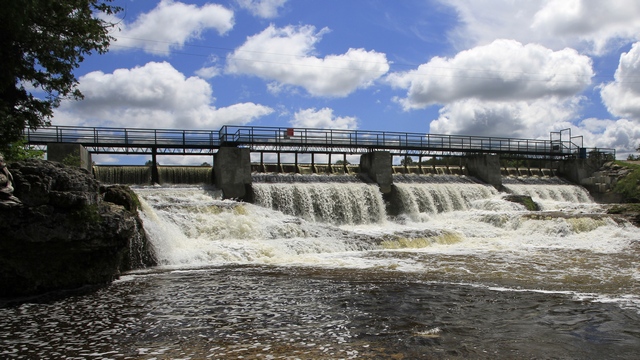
469 67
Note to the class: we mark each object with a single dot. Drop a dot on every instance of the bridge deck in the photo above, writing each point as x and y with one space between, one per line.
299 140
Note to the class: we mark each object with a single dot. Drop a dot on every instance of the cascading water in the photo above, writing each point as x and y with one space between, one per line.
140 175
194 226
185 174
329 199
421 196
549 192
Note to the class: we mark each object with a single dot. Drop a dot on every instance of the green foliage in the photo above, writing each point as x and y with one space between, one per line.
135 200
18 150
436 161
626 164
42 42
72 159
628 185
600 156
343 162
407 161
514 163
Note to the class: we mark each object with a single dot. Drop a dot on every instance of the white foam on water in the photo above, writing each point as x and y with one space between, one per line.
336 203
480 233
192 227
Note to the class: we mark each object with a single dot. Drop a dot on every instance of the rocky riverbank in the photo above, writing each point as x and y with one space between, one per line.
618 185
69 232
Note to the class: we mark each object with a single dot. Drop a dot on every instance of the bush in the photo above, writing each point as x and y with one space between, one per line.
628 185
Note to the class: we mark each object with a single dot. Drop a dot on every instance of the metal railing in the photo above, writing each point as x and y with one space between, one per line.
385 140
93 136
125 140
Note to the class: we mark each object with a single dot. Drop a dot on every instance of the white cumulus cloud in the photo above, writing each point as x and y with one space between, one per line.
170 25
262 8
286 55
521 119
155 95
622 96
623 135
208 72
323 119
500 71
590 24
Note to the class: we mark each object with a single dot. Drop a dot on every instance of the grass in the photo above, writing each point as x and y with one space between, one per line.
627 164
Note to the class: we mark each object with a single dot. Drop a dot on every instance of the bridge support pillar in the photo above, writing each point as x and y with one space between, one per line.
155 175
377 165
69 154
232 171
486 168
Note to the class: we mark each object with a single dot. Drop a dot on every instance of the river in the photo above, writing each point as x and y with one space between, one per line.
317 269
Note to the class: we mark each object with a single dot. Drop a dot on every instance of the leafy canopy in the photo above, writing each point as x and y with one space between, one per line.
42 42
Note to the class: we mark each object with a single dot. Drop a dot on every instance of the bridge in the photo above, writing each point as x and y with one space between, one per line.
232 146
108 140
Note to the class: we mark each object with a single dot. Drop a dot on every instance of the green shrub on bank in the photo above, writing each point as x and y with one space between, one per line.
628 185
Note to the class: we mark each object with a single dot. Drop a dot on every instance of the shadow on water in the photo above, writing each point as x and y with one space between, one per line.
306 313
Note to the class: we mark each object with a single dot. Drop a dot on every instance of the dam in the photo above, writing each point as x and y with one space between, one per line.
324 264
232 148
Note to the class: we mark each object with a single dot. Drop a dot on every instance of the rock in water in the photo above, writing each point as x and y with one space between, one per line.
525 200
65 235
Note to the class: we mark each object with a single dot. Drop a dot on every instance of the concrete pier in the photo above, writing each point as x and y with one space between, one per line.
232 171
377 165
69 154
486 168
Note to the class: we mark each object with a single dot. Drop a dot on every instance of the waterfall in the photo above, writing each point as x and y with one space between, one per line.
194 226
135 175
335 203
295 223
419 196
141 175
547 189
417 199
185 174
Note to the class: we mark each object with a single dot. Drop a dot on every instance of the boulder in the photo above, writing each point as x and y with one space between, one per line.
65 235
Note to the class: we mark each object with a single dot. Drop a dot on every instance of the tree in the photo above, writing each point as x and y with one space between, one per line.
42 42
407 161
